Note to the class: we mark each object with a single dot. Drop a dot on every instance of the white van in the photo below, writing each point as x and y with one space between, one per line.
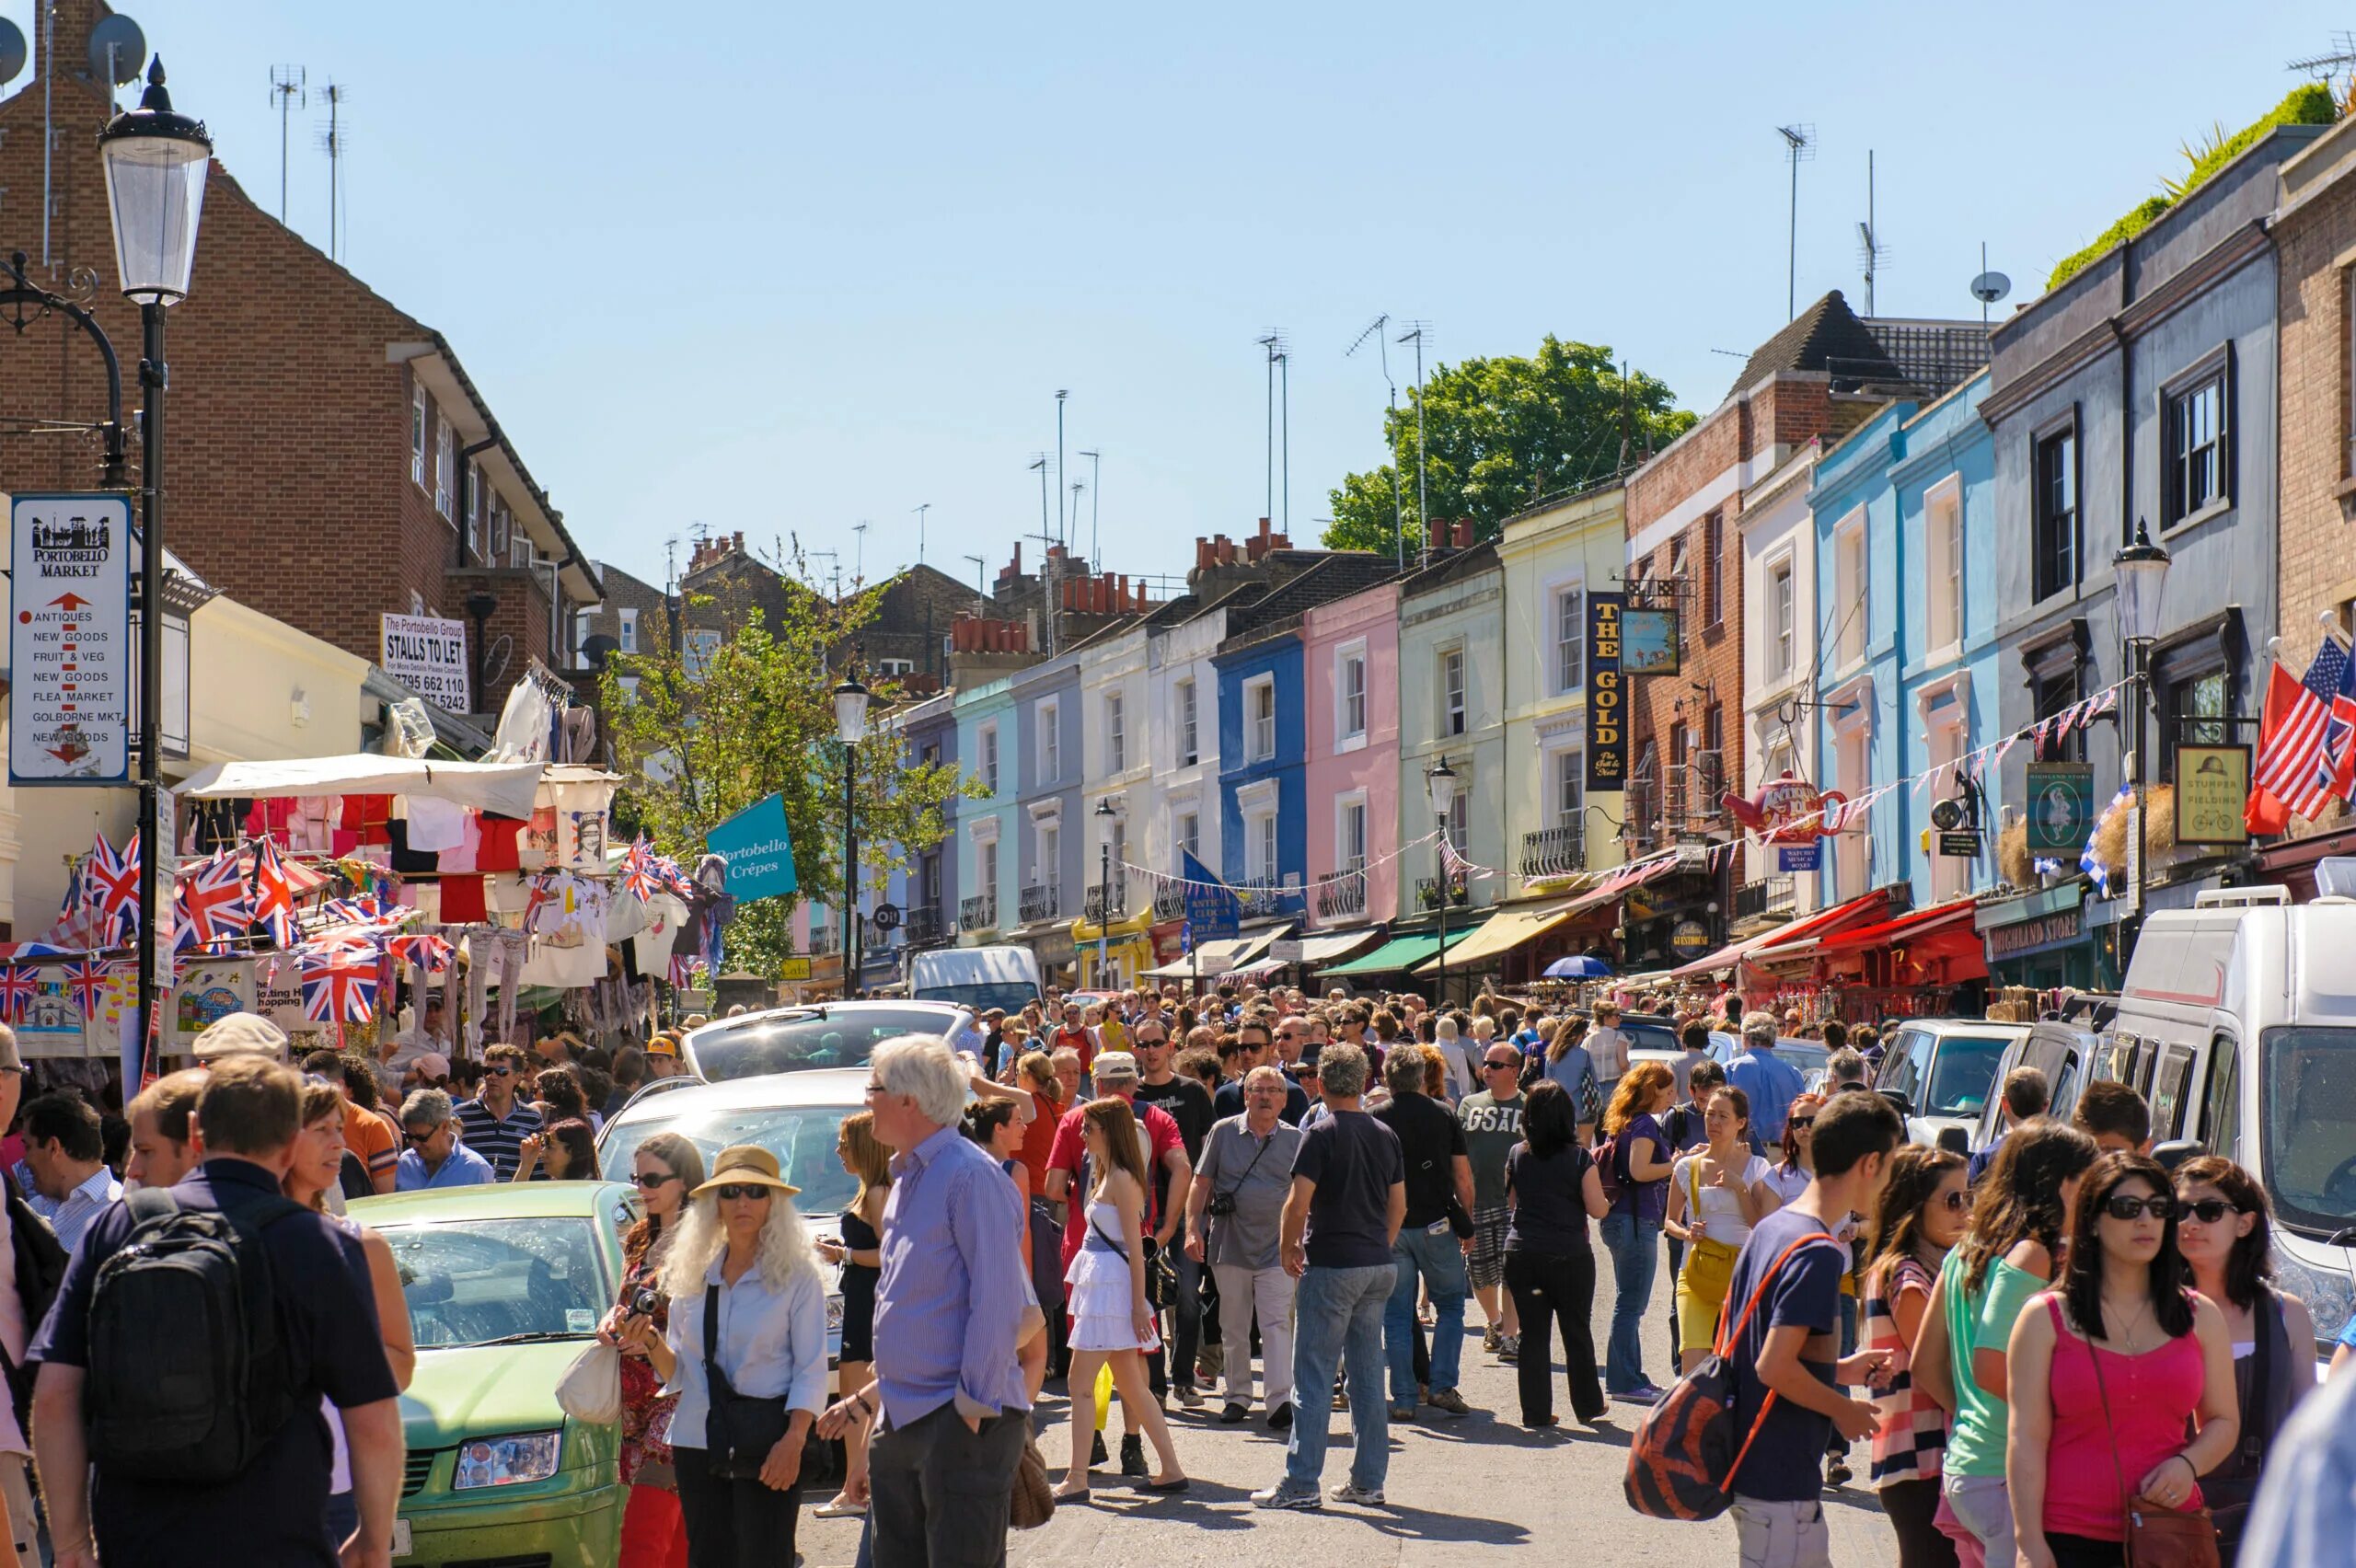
979 978
2237 1022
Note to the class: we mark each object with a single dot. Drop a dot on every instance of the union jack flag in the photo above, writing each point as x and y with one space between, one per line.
273 895
113 886
2307 760
17 989
638 871
424 948
212 902
540 896
87 979
340 983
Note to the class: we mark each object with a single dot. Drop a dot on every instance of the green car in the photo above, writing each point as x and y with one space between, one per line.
506 1284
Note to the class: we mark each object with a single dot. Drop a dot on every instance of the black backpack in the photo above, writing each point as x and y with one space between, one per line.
189 1376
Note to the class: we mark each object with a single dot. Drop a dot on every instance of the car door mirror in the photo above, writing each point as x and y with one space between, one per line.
1899 1098
2175 1152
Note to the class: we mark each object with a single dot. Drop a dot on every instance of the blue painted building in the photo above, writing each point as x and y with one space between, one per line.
1048 835
984 846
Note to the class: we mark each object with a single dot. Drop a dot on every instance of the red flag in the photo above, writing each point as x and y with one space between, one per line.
2265 814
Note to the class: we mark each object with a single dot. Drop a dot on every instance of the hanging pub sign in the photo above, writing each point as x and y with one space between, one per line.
1786 810
1648 643
2061 806
1607 699
2211 786
70 650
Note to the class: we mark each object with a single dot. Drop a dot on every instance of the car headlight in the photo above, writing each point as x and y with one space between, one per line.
834 1313
507 1461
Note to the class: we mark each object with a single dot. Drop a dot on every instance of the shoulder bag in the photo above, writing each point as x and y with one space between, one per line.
2156 1538
591 1388
738 1430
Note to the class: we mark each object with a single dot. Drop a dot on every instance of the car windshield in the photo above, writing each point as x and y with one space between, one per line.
1008 995
790 1043
2309 1125
801 1136
1961 1074
1650 1036
500 1281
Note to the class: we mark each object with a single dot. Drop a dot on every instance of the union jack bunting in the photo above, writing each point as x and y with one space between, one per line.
17 989
274 896
2107 702
86 981
422 948
113 886
638 871
340 983
212 902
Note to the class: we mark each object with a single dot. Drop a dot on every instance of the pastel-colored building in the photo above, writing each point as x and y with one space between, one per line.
985 840
1350 666
1117 760
1451 705
1049 830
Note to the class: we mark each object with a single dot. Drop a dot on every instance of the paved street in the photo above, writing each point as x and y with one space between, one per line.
1460 1487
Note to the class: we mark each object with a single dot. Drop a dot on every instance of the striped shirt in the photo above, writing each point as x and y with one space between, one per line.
499 1139
1910 1443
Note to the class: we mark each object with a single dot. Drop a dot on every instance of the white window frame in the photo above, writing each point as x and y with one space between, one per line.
698 648
417 426
895 666
1116 739
985 743
1185 834
986 862
476 531
1260 848
1942 557
1566 670
1045 714
1047 846
1253 750
445 468
1350 848
1781 628
1567 776
1350 728
1188 702
1455 706
628 637
1851 569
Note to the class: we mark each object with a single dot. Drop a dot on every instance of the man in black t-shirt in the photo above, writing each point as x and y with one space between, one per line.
1189 1105
1427 1249
1259 1051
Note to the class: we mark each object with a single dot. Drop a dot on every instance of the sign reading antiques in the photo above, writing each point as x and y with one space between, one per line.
2212 785
428 657
2061 806
1648 644
1607 699
70 653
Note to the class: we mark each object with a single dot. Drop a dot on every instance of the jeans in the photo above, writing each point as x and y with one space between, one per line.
1781 1534
938 1493
1188 1310
1676 1262
1983 1504
1268 1292
1554 1290
1338 1322
1634 1246
1439 1262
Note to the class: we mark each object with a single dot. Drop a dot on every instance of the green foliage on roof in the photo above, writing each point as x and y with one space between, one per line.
2309 105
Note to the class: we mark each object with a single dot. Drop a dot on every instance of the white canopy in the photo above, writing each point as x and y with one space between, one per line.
507 789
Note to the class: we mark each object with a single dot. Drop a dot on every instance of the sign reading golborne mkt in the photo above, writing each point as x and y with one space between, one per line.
1607 699
69 639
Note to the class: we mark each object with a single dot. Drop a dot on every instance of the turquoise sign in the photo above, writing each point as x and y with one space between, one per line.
758 850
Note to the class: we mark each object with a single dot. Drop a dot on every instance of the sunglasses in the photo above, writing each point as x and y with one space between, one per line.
652 1182
1799 1121
507 1071
2207 1211
1957 1202
2121 1206
1500 1067
418 1137
742 1190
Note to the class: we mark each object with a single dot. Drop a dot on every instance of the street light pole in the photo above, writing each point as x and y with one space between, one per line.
1104 889
2141 571
1440 785
850 728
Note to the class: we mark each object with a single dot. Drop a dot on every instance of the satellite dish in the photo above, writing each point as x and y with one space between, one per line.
121 38
1990 287
12 49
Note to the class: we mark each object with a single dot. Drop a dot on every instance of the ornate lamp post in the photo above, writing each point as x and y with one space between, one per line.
850 728
1439 788
2140 571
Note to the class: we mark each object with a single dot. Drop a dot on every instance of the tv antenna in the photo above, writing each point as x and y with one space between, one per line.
1799 147
858 561
2322 67
981 594
1062 536
1869 245
920 511
1096 507
289 91
1417 333
1374 332
1279 363
335 140
1989 287
1076 486
1047 551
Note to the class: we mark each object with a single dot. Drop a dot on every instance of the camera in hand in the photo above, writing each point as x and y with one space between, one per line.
643 1300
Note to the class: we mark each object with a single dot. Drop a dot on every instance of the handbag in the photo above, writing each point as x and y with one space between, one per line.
1033 1502
1161 1274
738 1430
2156 1538
591 1388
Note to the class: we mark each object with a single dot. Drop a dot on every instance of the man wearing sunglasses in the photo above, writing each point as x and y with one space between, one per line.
434 1157
1259 1051
496 1124
1188 1104
1492 1118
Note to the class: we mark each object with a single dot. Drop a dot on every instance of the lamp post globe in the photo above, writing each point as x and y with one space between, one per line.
850 711
1440 785
155 160
2141 571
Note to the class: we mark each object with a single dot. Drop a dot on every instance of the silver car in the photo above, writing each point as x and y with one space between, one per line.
811 1037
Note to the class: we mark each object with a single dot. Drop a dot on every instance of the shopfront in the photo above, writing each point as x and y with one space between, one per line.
1128 952
2043 940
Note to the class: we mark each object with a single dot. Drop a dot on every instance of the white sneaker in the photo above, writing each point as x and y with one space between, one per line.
1350 1492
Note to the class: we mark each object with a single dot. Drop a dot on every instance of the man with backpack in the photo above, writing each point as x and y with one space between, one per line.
208 1443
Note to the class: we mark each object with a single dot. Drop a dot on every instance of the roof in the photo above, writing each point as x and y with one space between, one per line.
1824 331
1339 576
1454 567
817 1086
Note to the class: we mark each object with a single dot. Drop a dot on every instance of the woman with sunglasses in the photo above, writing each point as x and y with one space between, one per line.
1715 1195
2108 1371
860 1255
1921 1217
565 1151
2226 1233
665 1170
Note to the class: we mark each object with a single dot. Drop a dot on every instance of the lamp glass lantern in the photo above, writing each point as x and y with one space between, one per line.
851 713
2141 571
155 161
1439 785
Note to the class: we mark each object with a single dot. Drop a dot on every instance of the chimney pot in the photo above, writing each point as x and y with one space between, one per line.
1202 553
1464 533
1439 534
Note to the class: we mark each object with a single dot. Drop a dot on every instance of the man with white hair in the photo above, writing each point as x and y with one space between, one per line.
955 1413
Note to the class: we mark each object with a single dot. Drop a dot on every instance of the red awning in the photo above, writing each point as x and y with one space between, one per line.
1870 906
1909 928
1938 945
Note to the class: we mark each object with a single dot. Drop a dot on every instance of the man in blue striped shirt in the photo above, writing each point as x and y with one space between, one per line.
948 1307
496 1125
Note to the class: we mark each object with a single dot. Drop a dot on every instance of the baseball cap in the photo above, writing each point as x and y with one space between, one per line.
663 1045
241 1032
1115 1067
432 1065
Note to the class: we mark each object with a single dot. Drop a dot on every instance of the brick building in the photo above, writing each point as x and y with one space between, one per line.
328 458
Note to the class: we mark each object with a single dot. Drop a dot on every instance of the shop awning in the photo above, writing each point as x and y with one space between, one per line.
1618 881
1505 932
1855 912
506 788
1333 947
1216 958
1401 953
1956 915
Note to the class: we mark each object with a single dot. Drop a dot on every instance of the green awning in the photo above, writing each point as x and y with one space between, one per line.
1398 954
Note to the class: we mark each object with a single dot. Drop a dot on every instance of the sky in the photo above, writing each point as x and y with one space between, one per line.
783 269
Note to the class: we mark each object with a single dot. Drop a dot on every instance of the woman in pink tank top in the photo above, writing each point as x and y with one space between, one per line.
2108 1371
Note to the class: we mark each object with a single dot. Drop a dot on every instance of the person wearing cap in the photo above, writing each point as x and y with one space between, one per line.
663 1056
743 1261
239 1033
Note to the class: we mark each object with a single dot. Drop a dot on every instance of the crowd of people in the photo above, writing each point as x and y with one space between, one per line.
1281 1207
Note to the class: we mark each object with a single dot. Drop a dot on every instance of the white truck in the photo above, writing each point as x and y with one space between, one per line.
978 978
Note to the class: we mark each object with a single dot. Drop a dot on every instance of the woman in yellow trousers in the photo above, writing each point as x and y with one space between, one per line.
1715 1195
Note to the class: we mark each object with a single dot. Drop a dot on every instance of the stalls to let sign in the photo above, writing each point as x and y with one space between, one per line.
428 657
70 651
1607 699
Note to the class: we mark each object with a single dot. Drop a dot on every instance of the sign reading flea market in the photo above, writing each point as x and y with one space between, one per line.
1607 699
69 639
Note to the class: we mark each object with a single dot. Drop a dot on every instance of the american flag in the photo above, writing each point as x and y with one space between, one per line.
2306 761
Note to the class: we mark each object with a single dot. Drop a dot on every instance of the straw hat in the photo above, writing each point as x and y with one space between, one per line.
742 1165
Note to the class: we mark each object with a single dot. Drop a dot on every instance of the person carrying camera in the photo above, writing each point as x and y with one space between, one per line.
667 1168
1241 1188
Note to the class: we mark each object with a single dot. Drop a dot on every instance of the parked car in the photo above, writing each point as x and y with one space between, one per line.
505 1286
2066 1053
811 1037
1941 1073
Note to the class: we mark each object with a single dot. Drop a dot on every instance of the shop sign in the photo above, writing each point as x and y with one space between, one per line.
757 849
1648 643
2036 933
1607 699
1788 810
1790 857
1286 951
794 969
1962 845
70 656
1213 913
2211 787
1689 938
2061 806
428 656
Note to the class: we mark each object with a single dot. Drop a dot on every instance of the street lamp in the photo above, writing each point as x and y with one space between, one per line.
1107 816
2140 571
155 160
1439 787
850 728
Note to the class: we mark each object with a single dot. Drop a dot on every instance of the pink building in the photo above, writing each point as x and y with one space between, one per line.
1350 674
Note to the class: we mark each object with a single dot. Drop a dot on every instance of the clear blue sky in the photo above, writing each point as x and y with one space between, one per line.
784 268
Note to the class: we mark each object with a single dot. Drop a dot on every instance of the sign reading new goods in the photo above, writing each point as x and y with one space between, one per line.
69 639
1607 699
428 657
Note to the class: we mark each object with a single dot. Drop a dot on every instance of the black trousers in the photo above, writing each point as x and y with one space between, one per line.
1556 1289
938 1493
1912 1507
733 1524
2081 1551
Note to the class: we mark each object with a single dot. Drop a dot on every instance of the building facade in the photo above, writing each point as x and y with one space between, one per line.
1452 707
1350 666
986 843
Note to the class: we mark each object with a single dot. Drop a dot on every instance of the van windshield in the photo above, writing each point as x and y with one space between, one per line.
2309 1124
1011 996
1961 1074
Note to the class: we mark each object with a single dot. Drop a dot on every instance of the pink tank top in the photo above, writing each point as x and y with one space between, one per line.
2152 1396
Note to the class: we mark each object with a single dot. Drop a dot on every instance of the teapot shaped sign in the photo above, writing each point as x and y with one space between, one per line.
1786 810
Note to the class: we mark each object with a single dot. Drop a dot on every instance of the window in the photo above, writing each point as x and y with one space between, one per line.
1570 640
1260 715
585 622
1049 871
417 437
1051 743
1189 832
474 510
1349 836
987 738
1189 732
1950 874
445 465
630 631
895 666
1349 695
1120 837
1943 554
1849 584
1570 788
1460 812
2193 426
1260 849
2194 711
500 523
2056 695
1116 740
1451 692
1779 621
2056 565
986 862
702 648
1714 589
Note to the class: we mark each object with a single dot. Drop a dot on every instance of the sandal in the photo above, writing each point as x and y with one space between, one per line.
841 1507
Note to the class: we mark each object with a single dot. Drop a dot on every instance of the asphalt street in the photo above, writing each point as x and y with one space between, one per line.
1459 1488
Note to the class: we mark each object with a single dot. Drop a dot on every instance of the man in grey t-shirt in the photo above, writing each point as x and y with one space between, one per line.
1239 1191
1492 1121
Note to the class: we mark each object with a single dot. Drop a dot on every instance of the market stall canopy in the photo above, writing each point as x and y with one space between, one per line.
1857 911
1916 926
1318 951
1618 881
1217 957
504 788
1504 933
1400 954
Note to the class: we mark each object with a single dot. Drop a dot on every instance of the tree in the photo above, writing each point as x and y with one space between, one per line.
1501 433
756 716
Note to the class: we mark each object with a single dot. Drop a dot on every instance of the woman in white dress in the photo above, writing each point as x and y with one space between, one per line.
1106 1295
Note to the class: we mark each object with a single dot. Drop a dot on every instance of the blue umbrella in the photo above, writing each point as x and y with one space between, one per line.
1577 969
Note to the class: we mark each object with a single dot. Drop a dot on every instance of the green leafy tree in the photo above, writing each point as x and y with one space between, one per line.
753 717
1499 434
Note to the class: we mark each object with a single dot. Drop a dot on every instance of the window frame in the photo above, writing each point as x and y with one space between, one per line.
1117 735
1347 859
1714 582
627 634
1187 832
2211 370
417 430
2054 433
1253 689
1455 699
1350 730
1568 669
1942 524
1190 732
1047 719
1783 619
445 470
1568 795
985 743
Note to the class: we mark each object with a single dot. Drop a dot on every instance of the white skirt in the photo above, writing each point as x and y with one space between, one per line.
1100 1296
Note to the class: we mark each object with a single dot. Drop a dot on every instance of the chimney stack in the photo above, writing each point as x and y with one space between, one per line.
1464 533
